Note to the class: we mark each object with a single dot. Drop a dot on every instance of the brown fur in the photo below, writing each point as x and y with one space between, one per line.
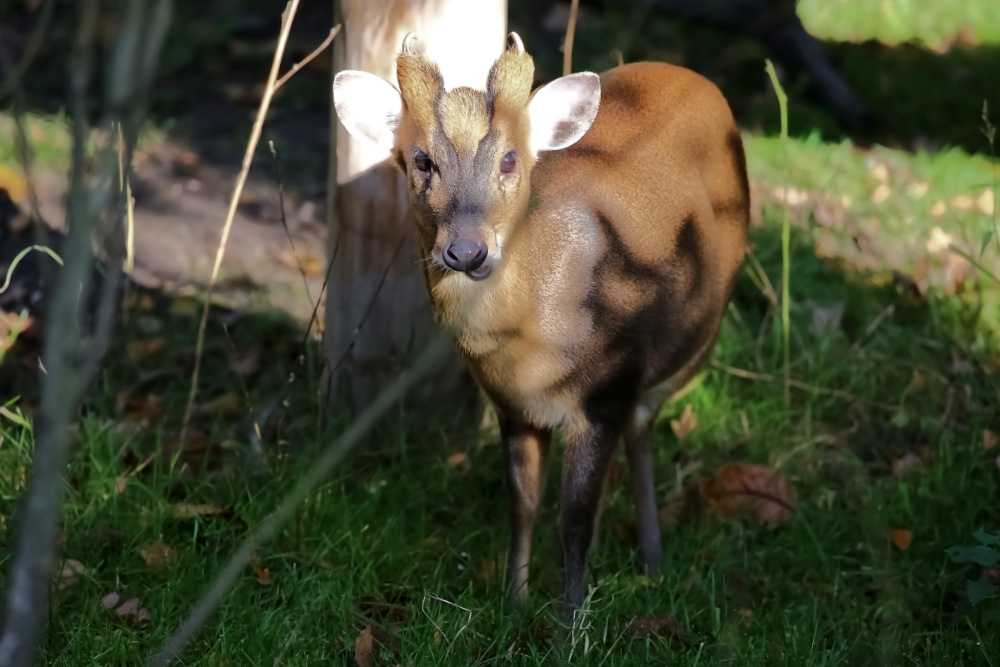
618 257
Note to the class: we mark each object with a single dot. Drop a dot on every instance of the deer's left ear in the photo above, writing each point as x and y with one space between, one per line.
368 106
562 111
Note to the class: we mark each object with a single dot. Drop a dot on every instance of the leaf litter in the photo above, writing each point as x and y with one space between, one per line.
742 489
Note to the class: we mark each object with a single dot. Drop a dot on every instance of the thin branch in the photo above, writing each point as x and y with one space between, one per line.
287 17
305 61
284 222
371 303
69 366
28 587
431 357
570 32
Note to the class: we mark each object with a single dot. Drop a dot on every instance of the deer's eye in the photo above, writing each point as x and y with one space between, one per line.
422 161
508 163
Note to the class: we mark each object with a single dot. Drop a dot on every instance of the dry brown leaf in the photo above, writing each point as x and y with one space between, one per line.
131 611
190 511
881 193
459 460
158 554
986 202
226 405
917 381
144 348
687 423
363 645
263 574
121 481
145 410
71 572
184 306
989 439
901 537
742 489
962 202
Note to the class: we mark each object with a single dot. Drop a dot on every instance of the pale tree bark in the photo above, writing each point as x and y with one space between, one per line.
377 313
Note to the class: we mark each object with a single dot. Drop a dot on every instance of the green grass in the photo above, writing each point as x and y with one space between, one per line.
897 21
400 539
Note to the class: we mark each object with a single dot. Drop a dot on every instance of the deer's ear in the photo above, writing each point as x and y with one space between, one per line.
368 106
562 111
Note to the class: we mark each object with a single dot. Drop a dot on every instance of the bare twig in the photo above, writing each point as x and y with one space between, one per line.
432 355
570 32
371 303
284 222
287 17
308 59
28 587
67 372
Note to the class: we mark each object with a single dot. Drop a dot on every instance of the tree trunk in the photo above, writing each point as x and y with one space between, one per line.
377 313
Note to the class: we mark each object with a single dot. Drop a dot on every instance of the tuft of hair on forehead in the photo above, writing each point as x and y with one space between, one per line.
420 85
509 84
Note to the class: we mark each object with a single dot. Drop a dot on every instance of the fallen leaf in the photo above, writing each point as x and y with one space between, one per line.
158 554
881 193
145 410
989 439
917 380
190 511
901 537
184 306
144 348
962 202
459 460
986 202
938 209
263 574
121 481
131 611
363 646
226 405
919 189
687 423
742 489
938 240
71 572
879 171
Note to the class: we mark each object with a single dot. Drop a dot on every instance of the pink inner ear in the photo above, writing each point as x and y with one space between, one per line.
563 110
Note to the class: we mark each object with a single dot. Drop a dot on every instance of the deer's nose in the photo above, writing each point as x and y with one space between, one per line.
465 254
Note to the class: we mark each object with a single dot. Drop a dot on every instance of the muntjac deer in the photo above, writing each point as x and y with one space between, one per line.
582 243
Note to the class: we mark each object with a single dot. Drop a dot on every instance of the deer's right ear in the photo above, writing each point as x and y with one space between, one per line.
368 106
